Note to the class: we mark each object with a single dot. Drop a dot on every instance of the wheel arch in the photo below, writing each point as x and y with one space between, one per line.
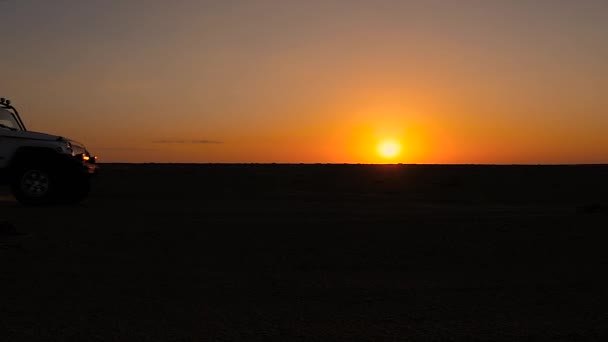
26 155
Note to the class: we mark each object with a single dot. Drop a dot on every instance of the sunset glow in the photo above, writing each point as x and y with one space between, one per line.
389 149
314 81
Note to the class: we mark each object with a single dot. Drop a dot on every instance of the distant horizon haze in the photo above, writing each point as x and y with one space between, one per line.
357 82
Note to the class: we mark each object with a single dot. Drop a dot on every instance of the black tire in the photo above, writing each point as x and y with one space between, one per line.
35 184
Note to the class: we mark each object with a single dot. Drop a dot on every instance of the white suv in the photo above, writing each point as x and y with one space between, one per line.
42 168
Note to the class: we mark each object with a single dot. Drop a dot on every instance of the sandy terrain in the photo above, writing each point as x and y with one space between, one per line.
313 253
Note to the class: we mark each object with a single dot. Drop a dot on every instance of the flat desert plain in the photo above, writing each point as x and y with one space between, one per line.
265 252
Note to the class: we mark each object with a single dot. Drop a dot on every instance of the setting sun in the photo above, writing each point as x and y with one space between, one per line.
389 149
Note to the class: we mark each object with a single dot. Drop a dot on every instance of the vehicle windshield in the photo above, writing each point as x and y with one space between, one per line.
8 120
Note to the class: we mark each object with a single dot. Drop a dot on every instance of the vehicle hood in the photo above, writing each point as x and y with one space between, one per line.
37 136
43 137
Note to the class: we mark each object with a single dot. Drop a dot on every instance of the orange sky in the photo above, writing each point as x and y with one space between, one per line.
315 81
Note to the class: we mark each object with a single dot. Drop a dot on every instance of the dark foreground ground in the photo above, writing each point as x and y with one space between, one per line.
313 253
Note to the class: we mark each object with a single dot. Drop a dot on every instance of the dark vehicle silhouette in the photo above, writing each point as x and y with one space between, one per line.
42 168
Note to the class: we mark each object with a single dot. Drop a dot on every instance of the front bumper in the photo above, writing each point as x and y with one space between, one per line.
79 165
90 168
88 162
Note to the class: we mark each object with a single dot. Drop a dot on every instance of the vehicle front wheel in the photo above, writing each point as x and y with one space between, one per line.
34 185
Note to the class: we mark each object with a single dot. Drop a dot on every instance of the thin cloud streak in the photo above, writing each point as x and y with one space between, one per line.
194 141
120 148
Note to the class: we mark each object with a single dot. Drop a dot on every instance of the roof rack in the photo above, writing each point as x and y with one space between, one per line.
6 103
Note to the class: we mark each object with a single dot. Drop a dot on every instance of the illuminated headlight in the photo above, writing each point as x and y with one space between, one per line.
85 157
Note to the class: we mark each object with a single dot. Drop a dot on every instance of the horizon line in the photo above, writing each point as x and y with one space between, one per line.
372 164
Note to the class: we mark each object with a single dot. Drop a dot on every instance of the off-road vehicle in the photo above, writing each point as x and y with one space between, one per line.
42 168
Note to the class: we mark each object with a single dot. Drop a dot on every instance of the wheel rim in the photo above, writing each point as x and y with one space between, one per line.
35 183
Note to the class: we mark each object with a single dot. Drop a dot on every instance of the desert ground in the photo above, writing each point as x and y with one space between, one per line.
272 252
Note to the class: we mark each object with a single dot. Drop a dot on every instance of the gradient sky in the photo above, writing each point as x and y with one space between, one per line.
313 81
